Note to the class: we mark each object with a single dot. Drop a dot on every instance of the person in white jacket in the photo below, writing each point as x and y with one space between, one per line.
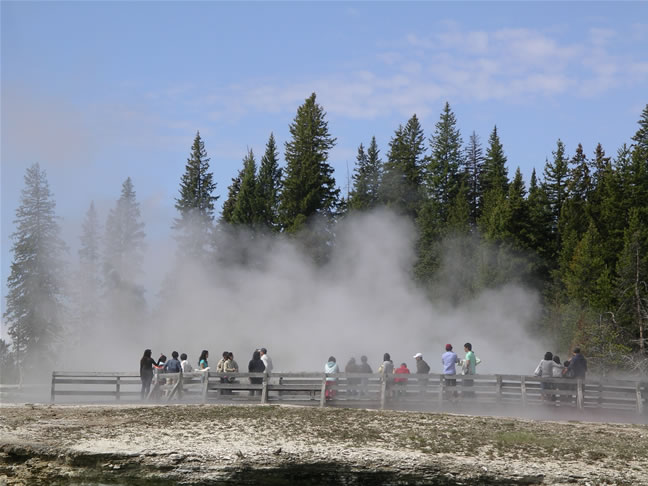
267 361
330 368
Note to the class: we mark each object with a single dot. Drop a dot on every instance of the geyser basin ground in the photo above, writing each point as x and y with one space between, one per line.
213 444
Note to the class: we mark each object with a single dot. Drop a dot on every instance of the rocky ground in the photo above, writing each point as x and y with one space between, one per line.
215 444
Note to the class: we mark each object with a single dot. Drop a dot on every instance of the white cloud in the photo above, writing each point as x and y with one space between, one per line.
417 72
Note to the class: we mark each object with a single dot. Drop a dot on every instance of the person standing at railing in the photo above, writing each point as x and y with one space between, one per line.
267 360
147 363
352 383
449 360
173 365
184 362
330 368
422 368
469 367
577 365
230 366
203 364
256 366
364 367
545 369
400 383
386 369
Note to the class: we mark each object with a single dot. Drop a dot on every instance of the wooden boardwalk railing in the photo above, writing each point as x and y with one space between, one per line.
355 389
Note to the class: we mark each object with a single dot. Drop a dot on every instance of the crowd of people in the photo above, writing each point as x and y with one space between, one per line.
261 362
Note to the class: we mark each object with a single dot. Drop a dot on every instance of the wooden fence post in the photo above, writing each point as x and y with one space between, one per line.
498 388
323 391
442 389
523 390
264 390
579 394
53 392
639 399
118 389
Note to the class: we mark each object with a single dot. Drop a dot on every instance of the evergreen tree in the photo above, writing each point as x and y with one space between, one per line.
308 185
555 184
269 187
540 223
401 187
232 196
443 174
366 178
632 282
88 288
124 239
494 174
519 222
245 210
34 306
196 203
474 165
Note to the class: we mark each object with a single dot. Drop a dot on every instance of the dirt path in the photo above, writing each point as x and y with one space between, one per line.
212 444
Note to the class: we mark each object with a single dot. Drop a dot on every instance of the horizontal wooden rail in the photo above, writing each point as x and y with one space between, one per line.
375 390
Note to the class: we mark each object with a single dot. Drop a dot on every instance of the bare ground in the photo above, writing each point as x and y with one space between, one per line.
216 444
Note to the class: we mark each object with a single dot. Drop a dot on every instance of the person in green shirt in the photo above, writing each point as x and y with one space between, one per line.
470 362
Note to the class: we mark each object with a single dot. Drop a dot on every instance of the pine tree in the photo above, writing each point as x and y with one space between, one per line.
518 226
540 224
232 196
196 203
494 174
124 239
269 187
474 158
308 185
366 178
88 294
34 306
443 174
632 283
555 184
245 210
401 186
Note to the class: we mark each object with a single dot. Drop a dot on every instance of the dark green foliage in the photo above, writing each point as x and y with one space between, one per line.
196 203
494 174
556 175
443 168
35 292
269 187
245 211
474 160
232 195
308 185
401 188
366 178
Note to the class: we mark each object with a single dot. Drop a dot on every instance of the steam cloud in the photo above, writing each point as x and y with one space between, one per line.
364 301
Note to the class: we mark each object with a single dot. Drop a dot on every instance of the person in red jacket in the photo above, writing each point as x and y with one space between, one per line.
401 382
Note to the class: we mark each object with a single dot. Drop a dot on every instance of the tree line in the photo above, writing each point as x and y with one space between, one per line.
578 233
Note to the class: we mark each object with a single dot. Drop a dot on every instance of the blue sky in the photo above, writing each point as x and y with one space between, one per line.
99 91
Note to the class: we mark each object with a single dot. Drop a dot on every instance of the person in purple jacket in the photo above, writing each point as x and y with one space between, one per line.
449 359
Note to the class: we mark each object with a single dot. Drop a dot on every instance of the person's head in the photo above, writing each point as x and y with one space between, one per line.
403 365
263 351
467 346
386 357
352 360
418 356
556 359
230 355
147 353
225 354
174 355
448 347
256 355
203 355
183 356
548 356
566 364
331 359
363 359
162 358
577 350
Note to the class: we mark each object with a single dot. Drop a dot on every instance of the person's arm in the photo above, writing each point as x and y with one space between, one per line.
538 370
